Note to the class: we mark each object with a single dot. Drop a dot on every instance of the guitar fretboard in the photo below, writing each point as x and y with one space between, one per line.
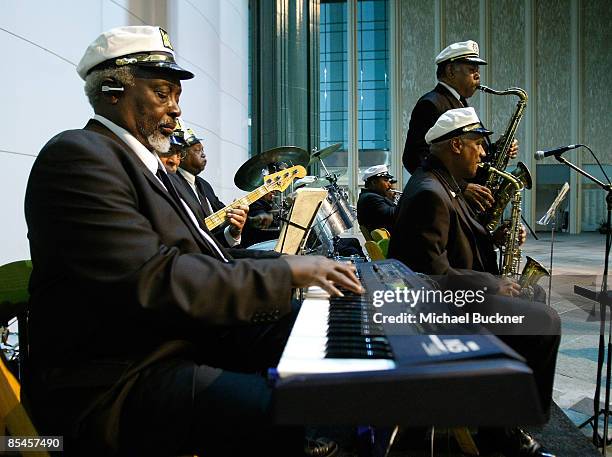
217 218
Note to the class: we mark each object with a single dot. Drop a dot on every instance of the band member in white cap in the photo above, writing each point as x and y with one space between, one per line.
376 207
440 236
198 193
458 74
145 334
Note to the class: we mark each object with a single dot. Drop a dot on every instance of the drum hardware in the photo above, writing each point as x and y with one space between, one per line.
306 181
278 181
323 153
250 174
335 215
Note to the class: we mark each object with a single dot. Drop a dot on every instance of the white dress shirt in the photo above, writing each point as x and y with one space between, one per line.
451 90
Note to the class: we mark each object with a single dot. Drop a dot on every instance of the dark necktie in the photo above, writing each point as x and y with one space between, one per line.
463 100
202 197
216 249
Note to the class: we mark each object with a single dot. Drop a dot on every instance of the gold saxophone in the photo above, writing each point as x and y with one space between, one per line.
501 188
511 250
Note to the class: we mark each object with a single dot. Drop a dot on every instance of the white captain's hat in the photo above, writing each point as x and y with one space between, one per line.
183 136
466 51
144 46
378 171
455 122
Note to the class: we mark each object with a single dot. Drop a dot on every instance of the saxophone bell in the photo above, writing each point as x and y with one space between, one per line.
532 272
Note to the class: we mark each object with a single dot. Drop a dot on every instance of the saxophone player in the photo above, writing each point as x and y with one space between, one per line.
440 236
458 75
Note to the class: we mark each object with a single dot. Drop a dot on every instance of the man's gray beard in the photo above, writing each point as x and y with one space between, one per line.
159 142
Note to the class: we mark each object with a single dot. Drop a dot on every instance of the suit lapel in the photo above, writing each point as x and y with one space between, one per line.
97 127
452 100
190 197
465 219
205 191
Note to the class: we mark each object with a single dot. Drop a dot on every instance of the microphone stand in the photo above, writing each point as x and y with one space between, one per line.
604 300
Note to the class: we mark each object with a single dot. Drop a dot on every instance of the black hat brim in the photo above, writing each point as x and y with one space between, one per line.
476 60
169 67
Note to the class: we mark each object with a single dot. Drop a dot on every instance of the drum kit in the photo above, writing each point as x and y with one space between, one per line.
335 215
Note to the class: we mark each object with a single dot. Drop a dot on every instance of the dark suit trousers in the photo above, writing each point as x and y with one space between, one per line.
537 339
185 406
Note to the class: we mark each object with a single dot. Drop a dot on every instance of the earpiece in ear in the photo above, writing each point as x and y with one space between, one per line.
112 89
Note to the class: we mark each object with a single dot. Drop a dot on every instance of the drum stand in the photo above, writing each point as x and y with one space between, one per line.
332 178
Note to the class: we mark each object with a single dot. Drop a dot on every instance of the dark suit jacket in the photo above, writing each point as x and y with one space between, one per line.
238 251
375 211
119 271
424 115
186 192
435 231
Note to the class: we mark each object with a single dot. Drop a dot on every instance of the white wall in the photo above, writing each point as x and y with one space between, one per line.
211 39
42 95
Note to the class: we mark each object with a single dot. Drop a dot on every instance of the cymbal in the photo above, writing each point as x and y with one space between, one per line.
318 181
249 176
324 153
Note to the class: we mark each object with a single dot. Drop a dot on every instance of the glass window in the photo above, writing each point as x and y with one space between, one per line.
373 55
333 81
373 83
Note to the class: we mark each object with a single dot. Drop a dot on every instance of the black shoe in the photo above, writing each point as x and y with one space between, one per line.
519 443
320 447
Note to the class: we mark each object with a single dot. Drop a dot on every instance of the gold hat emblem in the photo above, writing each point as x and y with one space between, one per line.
165 39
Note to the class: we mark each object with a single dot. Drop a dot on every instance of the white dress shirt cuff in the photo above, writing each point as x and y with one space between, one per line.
231 241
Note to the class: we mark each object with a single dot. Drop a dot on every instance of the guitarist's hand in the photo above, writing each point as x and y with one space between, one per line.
237 217
316 270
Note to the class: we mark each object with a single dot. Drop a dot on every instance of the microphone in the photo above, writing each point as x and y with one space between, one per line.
539 155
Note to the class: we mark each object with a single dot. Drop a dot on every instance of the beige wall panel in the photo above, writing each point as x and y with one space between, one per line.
597 52
461 23
596 116
506 58
417 50
553 83
552 74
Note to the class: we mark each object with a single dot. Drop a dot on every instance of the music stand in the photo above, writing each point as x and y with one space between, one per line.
295 229
551 218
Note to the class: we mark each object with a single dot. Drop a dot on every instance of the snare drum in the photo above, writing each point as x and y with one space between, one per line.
335 216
